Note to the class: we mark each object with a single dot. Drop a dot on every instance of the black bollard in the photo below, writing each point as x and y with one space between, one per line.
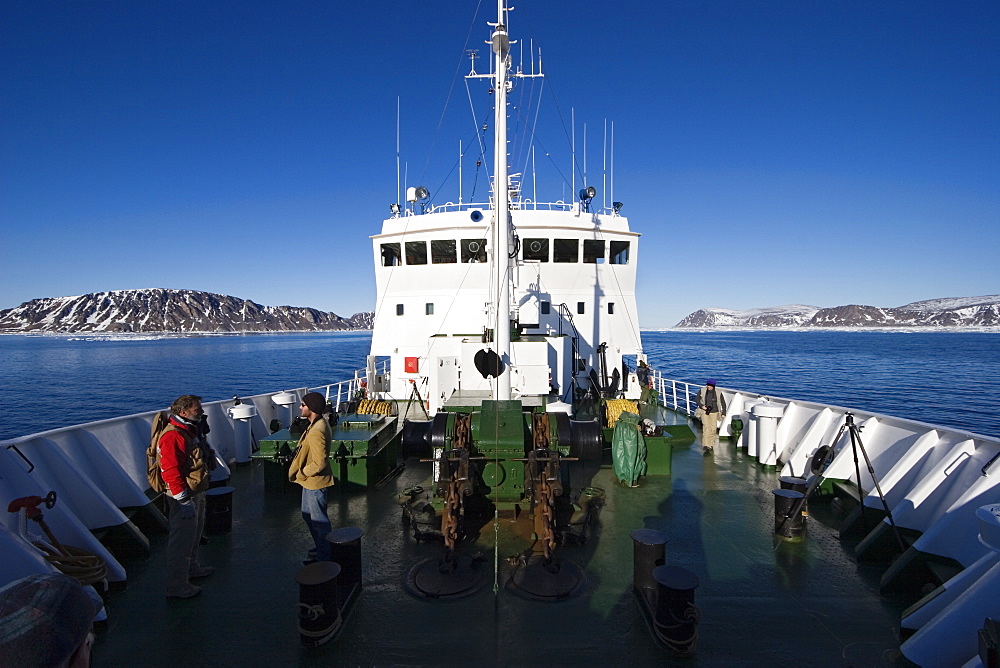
799 485
676 615
319 602
218 510
787 527
345 549
649 550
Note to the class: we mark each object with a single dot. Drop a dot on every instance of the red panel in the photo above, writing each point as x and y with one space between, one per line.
411 364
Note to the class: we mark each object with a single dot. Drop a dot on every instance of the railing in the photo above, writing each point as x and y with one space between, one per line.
345 390
524 204
675 394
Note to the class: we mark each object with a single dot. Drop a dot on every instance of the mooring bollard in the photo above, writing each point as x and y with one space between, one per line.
787 527
649 550
345 549
319 602
799 485
676 615
219 510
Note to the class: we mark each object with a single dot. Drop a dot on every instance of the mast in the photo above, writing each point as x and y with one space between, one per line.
501 204
501 226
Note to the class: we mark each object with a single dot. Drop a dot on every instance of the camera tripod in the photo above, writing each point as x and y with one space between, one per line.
824 456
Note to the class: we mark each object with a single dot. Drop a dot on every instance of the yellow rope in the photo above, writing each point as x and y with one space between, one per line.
373 407
615 407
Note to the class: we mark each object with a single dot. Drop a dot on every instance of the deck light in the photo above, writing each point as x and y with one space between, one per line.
394 208
616 207
587 193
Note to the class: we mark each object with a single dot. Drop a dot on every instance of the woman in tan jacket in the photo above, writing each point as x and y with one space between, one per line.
311 468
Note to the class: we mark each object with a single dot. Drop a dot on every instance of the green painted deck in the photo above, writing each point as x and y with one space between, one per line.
802 604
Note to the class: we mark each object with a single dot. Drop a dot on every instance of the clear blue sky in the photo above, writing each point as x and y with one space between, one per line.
772 152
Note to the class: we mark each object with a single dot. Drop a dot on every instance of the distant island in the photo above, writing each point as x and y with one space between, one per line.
946 312
161 310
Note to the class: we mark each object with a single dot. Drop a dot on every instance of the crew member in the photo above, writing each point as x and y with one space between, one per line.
642 374
185 462
310 468
713 409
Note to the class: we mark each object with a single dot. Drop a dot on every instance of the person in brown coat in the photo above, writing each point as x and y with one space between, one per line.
310 468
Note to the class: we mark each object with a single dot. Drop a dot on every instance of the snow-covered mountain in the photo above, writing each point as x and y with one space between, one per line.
792 315
160 310
946 312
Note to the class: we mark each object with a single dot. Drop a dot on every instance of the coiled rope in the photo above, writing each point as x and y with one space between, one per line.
374 407
615 407
85 567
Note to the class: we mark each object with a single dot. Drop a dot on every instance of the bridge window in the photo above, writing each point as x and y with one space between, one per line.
545 307
619 252
536 250
399 309
593 251
580 307
473 250
429 308
611 308
566 250
416 252
391 257
444 252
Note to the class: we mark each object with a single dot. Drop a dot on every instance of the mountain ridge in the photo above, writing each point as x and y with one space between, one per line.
162 310
981 311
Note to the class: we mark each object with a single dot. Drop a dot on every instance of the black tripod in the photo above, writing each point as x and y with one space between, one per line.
826 457
856 445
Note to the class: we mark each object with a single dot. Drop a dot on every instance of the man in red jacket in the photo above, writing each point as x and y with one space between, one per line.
185 462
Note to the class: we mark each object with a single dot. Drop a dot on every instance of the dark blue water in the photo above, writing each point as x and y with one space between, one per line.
947 378
48 382
944 378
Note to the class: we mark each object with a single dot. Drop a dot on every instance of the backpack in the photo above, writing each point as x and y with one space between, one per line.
161 425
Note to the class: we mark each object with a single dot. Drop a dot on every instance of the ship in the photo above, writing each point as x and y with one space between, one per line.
509 493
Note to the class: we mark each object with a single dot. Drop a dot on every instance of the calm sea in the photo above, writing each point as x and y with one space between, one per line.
946 378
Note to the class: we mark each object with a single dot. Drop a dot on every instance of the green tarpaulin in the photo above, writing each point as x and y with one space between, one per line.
628 449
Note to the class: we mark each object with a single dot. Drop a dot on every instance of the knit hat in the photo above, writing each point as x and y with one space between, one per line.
315 402
43 619
710 381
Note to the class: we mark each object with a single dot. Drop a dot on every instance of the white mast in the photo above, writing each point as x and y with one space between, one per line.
501 204
501 232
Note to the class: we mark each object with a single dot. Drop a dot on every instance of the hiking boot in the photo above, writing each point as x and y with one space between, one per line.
188 591
201 572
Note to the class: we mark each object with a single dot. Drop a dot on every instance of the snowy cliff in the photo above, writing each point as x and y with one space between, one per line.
948 312
160 310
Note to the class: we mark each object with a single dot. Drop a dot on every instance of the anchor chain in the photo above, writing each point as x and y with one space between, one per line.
545 484
456 462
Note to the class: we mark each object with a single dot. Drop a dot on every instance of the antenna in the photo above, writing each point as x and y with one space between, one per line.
399 185
612 162
572 125
534 178
604 185
459 171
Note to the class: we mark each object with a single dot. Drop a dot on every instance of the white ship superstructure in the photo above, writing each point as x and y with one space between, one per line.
573 289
